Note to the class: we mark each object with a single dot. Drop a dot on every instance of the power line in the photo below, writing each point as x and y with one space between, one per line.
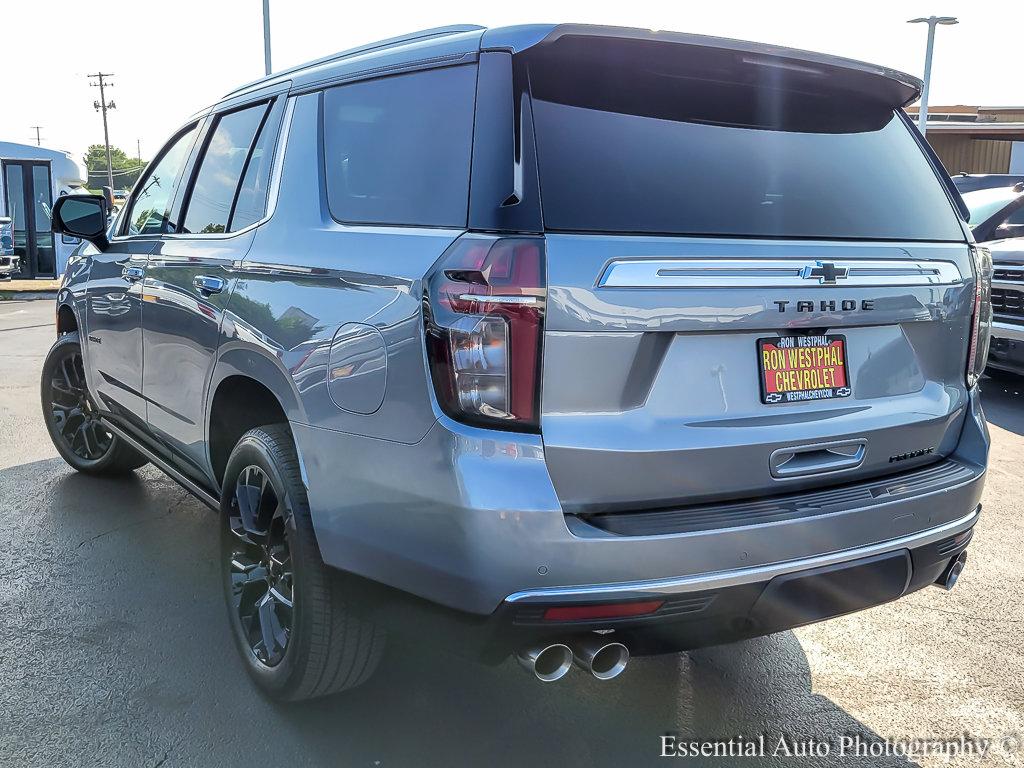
103 106
122 171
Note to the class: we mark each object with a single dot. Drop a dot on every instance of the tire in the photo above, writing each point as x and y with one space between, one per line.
289 616
72 419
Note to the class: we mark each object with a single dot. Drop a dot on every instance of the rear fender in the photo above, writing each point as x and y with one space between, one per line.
239 359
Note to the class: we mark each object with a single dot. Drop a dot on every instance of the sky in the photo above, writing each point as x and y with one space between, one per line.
170 60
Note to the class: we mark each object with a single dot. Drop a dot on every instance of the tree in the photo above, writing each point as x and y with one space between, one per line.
126 169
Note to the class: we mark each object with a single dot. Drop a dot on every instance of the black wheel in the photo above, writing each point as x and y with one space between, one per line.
287 609
71 417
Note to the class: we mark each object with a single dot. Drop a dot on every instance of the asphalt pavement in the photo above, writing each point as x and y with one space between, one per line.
114 645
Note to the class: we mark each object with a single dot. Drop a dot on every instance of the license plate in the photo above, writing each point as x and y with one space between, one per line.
797 369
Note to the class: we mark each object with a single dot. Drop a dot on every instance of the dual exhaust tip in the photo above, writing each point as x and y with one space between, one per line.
951 575
552 662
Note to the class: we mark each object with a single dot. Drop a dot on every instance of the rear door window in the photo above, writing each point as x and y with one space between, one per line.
397 149
220 171
631 137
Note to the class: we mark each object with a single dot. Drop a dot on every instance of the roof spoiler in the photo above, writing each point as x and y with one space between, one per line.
896 89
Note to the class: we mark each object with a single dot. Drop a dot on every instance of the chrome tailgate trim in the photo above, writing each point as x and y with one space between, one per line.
775 273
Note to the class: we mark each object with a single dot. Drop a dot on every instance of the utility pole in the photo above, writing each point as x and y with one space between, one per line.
37 128
102 106
932 22
138 151
266 36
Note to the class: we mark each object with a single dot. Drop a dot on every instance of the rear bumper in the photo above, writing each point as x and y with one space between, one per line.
694 612
722 580
468 519
734 605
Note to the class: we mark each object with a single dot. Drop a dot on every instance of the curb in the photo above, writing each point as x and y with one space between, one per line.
27 295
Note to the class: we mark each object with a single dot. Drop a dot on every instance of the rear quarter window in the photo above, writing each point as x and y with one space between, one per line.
397 149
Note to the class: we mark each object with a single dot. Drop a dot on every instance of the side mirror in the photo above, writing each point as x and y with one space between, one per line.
83 216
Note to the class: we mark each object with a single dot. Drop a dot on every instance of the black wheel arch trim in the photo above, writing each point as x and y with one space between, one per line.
239 359
235 359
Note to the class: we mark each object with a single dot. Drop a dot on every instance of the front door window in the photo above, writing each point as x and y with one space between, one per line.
151 206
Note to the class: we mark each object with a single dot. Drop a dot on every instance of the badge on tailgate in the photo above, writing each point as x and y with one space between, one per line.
797 369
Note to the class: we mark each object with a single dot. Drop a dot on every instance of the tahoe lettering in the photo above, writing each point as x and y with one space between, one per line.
830 305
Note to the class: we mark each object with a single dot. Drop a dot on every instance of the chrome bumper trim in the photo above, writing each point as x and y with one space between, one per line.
1002 330
722 579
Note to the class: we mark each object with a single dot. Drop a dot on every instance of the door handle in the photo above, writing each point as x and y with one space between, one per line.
208 285
133 274
817 458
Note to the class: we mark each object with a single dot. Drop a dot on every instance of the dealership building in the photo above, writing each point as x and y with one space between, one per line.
977 139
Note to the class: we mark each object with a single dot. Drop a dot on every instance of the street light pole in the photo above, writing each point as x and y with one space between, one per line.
266 36
932 22
102 106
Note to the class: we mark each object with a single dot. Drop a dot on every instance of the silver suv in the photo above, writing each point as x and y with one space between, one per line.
564 342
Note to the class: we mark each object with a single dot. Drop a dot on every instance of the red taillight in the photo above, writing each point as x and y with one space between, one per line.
484 314
606 611
981 315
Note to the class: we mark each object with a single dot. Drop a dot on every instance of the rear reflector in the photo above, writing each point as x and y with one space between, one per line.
606 611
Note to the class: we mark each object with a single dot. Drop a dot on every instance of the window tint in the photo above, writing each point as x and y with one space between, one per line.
220 171
398 148
152 204
642 141
252 195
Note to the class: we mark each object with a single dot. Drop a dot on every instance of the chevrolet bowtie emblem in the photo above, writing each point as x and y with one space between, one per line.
825 272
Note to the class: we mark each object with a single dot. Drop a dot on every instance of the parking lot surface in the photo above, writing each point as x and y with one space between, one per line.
115 647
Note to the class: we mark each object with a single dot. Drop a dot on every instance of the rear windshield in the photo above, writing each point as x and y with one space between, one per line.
635 136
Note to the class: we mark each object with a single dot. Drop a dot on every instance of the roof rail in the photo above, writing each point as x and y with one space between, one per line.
380 44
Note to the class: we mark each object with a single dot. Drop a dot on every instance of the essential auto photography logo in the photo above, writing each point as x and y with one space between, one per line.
965 746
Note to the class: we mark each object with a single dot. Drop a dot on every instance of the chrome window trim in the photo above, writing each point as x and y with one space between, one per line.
722 579
278 169
774 273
